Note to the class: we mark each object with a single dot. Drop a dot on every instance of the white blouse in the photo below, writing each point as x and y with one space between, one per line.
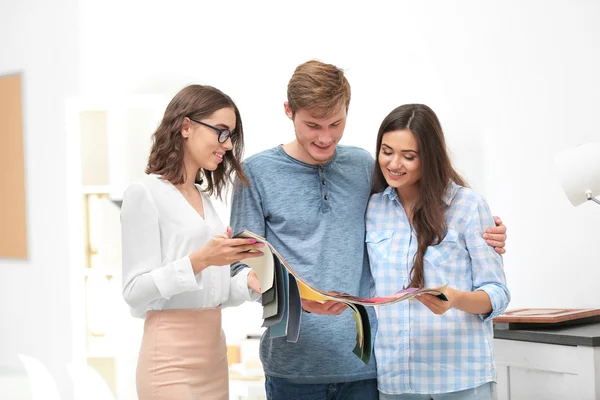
160 229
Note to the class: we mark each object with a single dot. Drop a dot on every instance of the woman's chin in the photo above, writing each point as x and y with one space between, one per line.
212 167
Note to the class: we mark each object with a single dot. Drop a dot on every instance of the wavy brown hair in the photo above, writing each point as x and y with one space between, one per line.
166 156
429 212
319 86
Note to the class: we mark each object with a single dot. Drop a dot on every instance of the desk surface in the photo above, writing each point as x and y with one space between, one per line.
579 335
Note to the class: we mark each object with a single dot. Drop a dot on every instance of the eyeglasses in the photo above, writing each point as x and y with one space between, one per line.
224 134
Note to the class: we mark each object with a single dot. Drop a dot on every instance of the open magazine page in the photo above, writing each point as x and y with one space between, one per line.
309 292
283 290
281 299
363 332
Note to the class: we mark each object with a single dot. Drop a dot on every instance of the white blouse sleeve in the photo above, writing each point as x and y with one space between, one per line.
145 279
239 291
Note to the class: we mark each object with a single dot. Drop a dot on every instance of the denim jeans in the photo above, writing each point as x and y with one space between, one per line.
282 389
486 391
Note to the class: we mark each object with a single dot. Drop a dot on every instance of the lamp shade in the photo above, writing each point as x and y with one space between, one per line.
579 171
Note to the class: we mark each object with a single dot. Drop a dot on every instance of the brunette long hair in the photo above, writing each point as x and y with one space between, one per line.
166 154
429 212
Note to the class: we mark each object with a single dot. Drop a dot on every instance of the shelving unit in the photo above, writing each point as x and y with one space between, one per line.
111 138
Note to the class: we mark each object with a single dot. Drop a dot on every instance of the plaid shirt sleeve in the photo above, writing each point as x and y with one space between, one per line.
487 265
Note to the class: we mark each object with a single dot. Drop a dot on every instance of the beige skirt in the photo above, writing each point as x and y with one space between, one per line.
183 356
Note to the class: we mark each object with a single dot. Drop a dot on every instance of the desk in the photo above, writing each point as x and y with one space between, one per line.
551 363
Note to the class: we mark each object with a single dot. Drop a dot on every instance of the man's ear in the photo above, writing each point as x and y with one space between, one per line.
186 127
288 110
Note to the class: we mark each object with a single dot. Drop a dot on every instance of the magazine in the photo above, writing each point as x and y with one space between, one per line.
264 269
283 290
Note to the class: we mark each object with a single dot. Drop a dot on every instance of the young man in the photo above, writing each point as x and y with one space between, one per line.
308 199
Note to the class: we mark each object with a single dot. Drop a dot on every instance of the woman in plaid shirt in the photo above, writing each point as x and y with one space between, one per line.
424 228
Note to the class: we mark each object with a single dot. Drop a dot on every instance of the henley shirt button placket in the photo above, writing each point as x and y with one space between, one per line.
323 183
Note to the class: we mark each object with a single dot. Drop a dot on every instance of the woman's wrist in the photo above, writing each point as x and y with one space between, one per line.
477 302
457 299
198 262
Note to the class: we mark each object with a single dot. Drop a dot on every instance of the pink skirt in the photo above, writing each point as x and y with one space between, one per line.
183 356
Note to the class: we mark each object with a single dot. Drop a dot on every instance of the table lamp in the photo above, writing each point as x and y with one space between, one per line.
579 172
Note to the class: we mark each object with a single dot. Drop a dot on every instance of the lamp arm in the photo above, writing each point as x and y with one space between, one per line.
592 198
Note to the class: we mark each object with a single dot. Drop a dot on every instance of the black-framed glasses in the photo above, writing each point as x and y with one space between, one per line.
224 134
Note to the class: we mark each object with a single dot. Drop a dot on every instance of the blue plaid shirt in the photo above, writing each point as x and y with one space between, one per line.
416 350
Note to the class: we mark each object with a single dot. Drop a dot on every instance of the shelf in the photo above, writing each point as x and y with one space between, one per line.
101 354
101 272
95 189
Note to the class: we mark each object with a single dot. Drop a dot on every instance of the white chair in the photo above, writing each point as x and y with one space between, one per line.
42 384
88 384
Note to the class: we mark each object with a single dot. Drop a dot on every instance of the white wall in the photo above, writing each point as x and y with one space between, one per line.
39 39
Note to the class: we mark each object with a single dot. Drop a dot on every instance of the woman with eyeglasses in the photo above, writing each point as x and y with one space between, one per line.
177 252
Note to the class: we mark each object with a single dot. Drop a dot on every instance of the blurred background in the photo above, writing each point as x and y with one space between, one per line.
513 83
